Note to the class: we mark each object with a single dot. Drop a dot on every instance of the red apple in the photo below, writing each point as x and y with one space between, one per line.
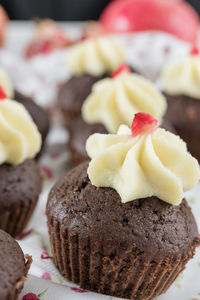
175 17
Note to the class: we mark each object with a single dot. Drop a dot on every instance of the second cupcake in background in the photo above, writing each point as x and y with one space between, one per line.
89 61
181 85
112 102
20 183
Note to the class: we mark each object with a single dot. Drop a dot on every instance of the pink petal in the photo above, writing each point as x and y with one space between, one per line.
46 276
45 255
30 296
48 172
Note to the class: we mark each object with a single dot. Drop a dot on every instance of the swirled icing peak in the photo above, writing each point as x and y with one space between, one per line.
114 101
6 83
150 163
19 136
96 56
183 77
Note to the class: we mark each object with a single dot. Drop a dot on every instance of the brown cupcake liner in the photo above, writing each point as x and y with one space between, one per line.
14 222
81 261
20 284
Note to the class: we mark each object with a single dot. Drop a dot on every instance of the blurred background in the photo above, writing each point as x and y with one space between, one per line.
62 10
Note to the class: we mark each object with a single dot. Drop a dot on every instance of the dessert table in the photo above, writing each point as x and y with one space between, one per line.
41 77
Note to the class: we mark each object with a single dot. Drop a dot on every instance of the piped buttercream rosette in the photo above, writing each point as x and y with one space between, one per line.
96 56
19 136
143 162
114 101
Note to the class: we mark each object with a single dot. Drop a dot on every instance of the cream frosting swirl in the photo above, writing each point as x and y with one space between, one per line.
114 101
96 56
6 83
19 136
156 164
182 77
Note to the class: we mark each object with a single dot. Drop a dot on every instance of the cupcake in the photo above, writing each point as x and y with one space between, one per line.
181 85
89 61
20 183
112 102
14 267
120 226
39 115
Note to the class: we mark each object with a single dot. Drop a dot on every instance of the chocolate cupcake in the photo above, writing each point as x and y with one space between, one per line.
72 94
112 102
181 85
14 267
39 115
89 61
20 183
120 226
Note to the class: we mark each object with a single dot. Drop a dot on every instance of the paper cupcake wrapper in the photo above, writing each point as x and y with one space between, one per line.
14 222
82 261
20 284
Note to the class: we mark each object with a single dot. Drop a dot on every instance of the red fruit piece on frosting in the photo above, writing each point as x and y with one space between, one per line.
194 50
3 95
122 68
142 124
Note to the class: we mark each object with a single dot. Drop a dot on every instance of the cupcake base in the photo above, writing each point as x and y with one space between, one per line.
133 250
15 221
20 187
83 262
